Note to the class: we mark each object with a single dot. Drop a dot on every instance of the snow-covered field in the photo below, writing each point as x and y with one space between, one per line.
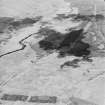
23 73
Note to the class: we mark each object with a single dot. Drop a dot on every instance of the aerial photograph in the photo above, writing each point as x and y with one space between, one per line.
52 52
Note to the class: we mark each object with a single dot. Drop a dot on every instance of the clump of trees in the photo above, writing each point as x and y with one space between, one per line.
66 44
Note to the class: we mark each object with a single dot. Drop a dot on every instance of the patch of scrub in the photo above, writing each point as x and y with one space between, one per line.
65 44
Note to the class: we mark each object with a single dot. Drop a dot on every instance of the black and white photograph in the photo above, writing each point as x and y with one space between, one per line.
52 52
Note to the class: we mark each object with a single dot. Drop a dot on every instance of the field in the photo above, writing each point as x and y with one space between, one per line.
31 76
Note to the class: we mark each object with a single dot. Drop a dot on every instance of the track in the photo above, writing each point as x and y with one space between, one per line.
21 42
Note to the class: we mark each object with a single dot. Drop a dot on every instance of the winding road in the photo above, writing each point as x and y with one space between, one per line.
16 43
21 43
